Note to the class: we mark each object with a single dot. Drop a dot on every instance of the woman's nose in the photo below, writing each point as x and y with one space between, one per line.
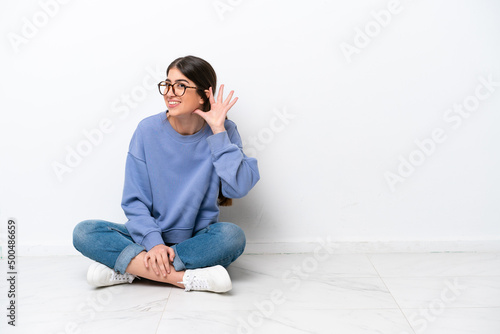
170 91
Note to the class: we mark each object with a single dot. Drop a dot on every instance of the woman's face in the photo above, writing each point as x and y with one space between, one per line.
185 104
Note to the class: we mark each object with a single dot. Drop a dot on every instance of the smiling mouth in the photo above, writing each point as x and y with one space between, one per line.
173 103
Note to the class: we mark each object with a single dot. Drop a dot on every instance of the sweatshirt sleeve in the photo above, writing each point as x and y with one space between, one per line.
137 199
238 172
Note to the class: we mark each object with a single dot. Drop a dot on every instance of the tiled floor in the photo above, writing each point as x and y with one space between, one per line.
433 293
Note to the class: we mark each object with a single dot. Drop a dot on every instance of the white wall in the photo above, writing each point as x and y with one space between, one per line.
326 125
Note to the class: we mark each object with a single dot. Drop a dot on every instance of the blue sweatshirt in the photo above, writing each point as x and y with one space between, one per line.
172 181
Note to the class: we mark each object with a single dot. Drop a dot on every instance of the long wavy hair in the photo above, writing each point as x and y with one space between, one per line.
203 75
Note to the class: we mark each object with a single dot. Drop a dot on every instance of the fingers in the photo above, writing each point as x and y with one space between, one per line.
171 254
220 96
227 102
158 265
164 265
212 100
228 98
221 93
158 260
232 103
154 266
218 109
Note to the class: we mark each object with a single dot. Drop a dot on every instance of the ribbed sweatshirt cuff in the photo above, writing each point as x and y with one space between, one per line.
152 239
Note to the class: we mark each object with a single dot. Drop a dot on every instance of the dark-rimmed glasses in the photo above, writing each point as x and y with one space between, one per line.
178 88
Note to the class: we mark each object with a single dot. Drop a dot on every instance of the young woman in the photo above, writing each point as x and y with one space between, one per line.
181 165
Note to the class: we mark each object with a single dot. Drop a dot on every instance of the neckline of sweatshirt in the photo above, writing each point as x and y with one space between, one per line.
184 138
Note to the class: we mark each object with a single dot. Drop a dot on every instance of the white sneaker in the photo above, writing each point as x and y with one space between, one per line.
101 275
215 279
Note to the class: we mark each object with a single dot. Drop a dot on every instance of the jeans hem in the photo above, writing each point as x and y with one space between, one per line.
127 254
178 264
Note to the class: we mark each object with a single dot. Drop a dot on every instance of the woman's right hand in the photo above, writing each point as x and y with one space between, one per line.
159 258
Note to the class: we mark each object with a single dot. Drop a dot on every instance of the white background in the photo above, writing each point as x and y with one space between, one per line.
350 119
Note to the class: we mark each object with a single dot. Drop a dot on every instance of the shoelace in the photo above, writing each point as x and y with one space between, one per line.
194 283
121 277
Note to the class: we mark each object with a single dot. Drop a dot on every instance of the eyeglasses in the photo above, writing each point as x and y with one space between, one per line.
178 88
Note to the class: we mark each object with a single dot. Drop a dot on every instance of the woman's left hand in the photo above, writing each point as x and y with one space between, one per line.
216 116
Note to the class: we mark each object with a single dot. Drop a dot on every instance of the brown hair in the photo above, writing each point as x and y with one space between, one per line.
203 75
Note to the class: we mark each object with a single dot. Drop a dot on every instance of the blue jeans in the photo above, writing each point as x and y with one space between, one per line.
112 245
